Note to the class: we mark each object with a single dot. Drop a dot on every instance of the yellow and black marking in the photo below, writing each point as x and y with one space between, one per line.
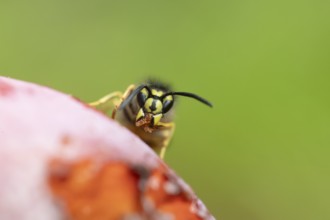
147 110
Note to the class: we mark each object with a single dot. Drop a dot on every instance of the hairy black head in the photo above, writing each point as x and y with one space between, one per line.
157 84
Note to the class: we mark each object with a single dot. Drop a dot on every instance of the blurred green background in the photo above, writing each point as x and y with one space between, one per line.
262 152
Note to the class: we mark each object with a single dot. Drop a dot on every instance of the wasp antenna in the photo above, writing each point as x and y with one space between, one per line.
131 96
194 96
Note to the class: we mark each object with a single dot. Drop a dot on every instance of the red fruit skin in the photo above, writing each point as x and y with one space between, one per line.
61 159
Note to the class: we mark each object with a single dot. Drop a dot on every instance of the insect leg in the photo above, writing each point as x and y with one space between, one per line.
107 102
111 101
128 91
171 127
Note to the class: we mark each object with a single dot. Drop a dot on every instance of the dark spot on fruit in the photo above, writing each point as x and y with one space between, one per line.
66 140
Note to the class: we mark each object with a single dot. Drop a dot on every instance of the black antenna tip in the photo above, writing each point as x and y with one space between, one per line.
194 96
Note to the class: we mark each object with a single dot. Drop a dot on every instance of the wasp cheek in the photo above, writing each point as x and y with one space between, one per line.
139 115
156 119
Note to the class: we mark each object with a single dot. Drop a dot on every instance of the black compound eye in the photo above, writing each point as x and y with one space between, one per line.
167 103
142 97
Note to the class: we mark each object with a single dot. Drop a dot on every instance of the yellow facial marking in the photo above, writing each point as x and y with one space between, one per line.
168 98
154 106
139 115
145 92
157 118
157 92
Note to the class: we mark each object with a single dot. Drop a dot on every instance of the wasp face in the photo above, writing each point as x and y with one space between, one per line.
154 103
154 100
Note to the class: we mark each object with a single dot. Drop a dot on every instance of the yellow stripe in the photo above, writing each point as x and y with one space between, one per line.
140 114
145 92
168 97
156 92
157 118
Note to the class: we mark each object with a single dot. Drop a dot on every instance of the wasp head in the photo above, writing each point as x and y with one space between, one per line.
153 103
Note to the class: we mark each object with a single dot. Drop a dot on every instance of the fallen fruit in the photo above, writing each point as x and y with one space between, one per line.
61 159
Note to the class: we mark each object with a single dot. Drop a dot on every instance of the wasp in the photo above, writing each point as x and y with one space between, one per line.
147 110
